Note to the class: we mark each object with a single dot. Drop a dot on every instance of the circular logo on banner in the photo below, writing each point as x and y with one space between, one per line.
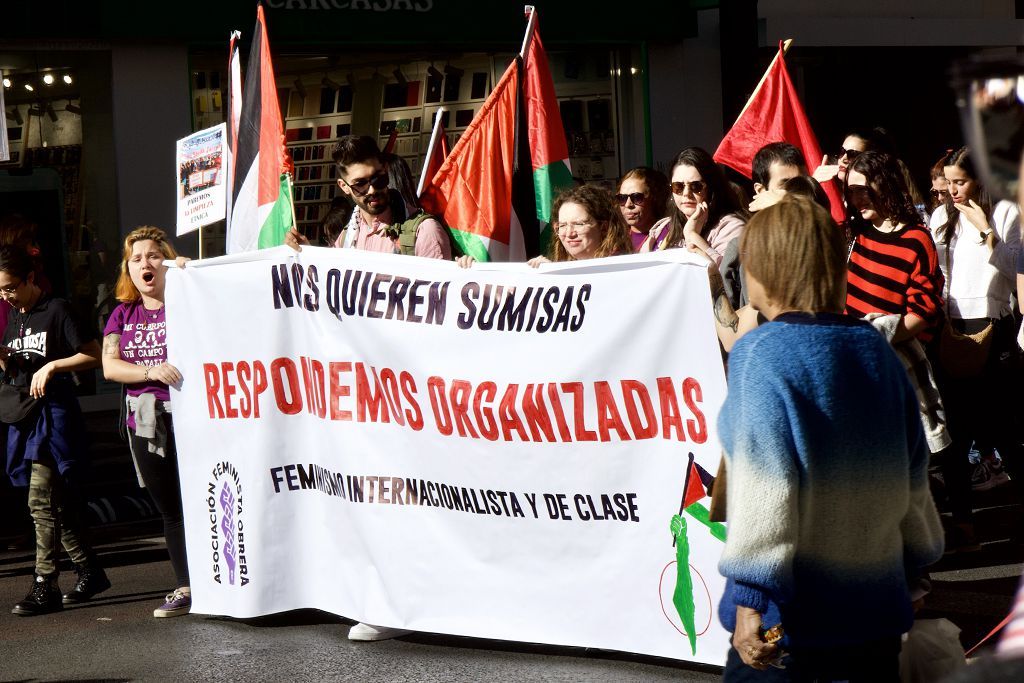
227 532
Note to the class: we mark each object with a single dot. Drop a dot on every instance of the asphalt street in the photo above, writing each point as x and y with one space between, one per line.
115 637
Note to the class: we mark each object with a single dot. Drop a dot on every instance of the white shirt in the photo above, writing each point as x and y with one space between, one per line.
981 280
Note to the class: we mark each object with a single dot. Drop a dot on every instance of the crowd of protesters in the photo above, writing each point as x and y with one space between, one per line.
841 337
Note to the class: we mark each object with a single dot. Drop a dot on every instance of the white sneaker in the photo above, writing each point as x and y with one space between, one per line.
368 632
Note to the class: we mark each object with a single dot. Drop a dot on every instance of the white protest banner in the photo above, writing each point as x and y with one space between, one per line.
199 163
497 452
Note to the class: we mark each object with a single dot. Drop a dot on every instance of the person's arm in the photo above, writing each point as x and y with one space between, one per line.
924 292
432 240
730 324
88 357
1004 238
763 482
727 230
116 369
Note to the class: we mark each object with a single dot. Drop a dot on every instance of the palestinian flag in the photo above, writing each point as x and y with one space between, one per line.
549 151
261 204
479 183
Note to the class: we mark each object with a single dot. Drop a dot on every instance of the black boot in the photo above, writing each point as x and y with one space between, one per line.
42 599
91 581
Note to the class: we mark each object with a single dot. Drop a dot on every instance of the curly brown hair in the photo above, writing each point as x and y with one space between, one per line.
598 203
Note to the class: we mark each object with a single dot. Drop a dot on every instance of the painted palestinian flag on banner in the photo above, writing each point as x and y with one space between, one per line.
549 151
261 211
474 189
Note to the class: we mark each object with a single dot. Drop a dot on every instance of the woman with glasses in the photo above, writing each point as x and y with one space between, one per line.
940 188
978 241
44 430
706 213
643 201
588 226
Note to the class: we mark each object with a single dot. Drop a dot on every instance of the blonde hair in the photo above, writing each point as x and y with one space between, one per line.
798 254
599 205
125 291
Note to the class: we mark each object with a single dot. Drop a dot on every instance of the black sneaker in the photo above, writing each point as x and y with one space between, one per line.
42 599
90 582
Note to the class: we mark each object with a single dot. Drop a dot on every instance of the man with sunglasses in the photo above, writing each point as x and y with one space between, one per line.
364 179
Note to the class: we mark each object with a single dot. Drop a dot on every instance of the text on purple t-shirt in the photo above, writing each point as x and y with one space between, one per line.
143 342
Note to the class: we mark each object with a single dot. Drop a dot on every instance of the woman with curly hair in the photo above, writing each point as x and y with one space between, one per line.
588 225
893 266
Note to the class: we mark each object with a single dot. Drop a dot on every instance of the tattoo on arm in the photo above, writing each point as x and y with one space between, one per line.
112 346
725 315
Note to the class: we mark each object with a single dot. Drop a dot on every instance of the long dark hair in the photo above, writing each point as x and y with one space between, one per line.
888 190
961 158
721 198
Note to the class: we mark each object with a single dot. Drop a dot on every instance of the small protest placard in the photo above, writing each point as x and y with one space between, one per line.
201 179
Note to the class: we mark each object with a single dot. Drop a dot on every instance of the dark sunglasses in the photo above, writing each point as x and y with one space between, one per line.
939 194
361 187
696 187
637 197
850 154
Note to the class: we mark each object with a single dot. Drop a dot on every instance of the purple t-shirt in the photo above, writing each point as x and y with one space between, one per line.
638 239
143 342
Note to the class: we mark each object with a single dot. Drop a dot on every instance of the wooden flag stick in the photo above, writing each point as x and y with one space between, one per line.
430 151
785 48
531 26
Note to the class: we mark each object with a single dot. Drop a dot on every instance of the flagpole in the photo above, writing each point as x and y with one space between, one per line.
785 48
291 195
531 27
686 485
430 150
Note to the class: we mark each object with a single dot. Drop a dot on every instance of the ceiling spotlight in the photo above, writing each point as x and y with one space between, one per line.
453 71
399 76
35 110
7 83
15 116
67 78
28 86
48 79
328 83
51 113
73 108
434 73
300 88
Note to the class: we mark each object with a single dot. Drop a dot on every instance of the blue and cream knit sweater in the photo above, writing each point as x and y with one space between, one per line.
828 502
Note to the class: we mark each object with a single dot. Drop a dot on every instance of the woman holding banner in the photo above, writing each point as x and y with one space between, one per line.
827 520
588 225
706 213
135 354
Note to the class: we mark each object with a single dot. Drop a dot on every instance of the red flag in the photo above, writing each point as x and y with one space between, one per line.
473 189
549 152
774 114
437 152
694 490
389 146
